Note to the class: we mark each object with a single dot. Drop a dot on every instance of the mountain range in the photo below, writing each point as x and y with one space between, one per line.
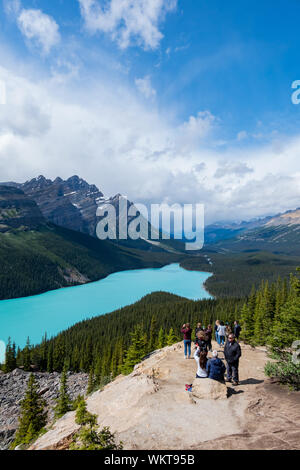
48 240
38 255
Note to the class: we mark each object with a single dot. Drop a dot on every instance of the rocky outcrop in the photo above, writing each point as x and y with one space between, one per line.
70 203
150 409
12 390
207 389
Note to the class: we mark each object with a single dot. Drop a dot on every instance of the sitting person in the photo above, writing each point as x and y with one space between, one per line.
201 359
215 368
202 341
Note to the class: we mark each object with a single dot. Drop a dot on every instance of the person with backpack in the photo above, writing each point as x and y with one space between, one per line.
198 328
201 341
222 333
187 339
232 353
201 360
215 368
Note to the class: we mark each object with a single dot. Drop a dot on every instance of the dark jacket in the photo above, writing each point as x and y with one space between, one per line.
215 369
187 333
208 333
202 344
237 330
232 352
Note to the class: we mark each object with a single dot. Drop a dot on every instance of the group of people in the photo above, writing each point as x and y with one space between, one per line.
214 367
222 331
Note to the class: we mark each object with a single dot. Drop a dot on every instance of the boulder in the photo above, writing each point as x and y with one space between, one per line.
208 389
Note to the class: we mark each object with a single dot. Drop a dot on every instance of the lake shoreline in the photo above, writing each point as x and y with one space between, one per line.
57 310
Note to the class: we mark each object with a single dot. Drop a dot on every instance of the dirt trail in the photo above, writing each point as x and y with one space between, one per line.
150 409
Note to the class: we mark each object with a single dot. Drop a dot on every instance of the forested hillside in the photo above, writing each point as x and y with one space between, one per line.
234 274
51 257
108 345
101 343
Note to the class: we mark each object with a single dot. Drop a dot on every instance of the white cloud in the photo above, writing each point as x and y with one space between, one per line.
242 135
195 130
230 168
12 7
128 22
39 29
144 86
109 137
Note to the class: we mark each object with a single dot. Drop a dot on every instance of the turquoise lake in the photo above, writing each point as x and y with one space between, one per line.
57 310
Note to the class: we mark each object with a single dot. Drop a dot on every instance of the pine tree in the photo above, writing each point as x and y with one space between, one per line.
27 356
89 438
161 342
10 357
91 382
136 350
33 416
171 338
152 338
286 326
63 404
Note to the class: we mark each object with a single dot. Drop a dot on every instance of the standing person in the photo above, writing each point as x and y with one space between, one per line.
232 353
201 360
215 368
187 339
208 333
198 328
217 324
201 341
222 333
237 330
228 331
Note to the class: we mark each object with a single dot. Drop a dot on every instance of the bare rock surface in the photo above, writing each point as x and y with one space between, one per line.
12 391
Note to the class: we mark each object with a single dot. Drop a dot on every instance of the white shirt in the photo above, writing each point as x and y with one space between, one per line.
222 330
200 372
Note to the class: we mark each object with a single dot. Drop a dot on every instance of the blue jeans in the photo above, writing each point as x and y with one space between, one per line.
217 337
222 339
187 346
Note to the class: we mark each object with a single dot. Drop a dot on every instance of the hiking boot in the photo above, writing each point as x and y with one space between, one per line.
229 380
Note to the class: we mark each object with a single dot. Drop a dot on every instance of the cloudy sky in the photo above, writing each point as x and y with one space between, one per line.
171 101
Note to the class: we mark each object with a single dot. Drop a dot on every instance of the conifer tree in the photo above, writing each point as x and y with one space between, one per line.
286 326
136 350
91 382
89 438
152 337
33 415
63 404
161 339
10 357
171 338
27 356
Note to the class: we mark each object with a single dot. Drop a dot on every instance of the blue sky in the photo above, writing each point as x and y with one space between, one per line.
187 93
